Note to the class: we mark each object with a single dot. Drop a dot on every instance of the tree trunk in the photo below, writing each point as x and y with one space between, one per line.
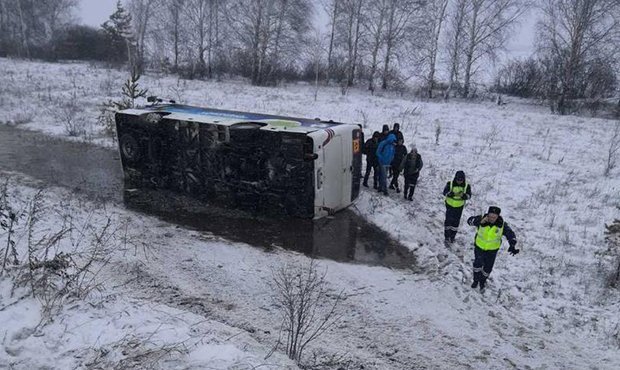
209 49
470 51
375 52
176 40
331 43
454 52
256 45
389 40
356 43
435 47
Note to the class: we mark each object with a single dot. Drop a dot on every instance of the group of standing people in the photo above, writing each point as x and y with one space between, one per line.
387 156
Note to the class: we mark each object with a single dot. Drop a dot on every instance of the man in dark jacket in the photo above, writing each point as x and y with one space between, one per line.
385 155
385 131
411 165
400 152
397 132
370 149
456 192
490 228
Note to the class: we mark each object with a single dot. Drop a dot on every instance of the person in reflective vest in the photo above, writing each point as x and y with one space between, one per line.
489 231
456 192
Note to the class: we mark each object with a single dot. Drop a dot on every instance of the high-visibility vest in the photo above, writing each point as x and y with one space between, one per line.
457 200
489 238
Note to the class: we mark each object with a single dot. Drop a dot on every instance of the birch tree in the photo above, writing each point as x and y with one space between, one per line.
486 27
455 43
575 34
401 14
375 28
434 14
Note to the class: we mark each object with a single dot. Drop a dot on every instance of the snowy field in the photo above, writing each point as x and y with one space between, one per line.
179 299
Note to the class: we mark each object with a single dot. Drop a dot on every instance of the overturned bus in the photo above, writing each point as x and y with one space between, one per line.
265 164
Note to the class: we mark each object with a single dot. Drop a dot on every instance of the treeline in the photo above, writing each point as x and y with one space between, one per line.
577 58
446 46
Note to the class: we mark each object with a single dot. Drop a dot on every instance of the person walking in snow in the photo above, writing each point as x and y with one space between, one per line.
400 152
370 149
385 155
490 228
411 166
456 192
399 137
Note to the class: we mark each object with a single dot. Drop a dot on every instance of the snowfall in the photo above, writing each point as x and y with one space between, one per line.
173 298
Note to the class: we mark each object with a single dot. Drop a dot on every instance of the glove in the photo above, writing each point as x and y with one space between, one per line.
450 194
512 250
465 197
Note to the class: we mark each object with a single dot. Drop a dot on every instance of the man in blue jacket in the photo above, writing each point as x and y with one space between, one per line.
385 155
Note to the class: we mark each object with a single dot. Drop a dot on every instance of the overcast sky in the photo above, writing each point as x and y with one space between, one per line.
95 12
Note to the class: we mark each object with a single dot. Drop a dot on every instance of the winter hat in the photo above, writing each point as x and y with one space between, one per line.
397 126
495 210
385 128
376 134
460 175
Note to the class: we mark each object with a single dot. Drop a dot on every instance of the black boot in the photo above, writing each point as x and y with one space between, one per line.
474 284
483 284
365 184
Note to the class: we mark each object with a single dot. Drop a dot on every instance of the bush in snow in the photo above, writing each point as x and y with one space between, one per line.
62 261
612 254
613 150
306 306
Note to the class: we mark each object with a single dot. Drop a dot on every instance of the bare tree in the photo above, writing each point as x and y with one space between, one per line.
142 13
375 28
434 14
334 14
198 13
316 53
348 37
268 32
486 25
571 35
455 43
28 27
401 14
174 10
306 307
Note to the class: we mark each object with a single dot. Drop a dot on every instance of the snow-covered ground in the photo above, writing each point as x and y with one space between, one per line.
200 301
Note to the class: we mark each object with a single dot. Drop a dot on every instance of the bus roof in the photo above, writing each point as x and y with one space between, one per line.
228 117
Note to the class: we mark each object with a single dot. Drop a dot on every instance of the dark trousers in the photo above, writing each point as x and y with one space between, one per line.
483 264
395 176
375 173
383 170
410 182
453 219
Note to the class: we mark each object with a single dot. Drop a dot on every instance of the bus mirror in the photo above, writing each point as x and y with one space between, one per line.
311 156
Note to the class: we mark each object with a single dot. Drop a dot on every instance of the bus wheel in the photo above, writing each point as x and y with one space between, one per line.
129 148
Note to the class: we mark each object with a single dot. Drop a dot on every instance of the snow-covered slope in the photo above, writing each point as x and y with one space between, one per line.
547 307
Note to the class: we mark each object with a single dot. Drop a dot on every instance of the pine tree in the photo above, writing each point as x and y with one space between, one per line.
119 36
131 91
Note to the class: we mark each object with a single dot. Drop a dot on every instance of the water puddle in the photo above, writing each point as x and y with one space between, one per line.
96 172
